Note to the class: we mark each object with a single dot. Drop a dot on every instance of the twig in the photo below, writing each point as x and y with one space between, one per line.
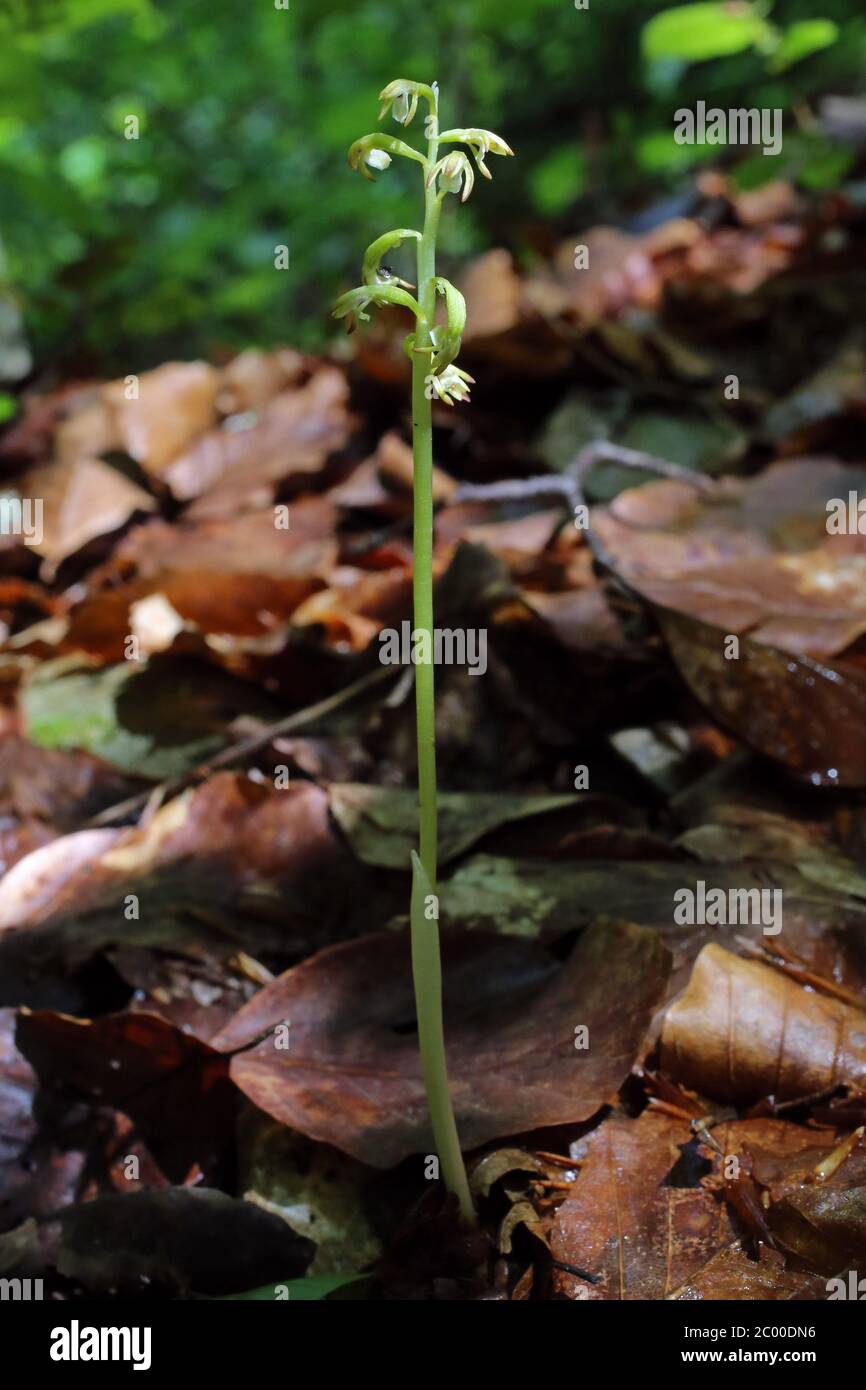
153 797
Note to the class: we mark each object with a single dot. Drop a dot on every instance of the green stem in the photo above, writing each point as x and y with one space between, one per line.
426 961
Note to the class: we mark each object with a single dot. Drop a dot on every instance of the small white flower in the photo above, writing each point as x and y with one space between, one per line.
402 97
453 171
450 385
482 143
378 159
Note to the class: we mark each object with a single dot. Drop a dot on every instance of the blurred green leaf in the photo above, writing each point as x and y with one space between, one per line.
698 32
800 40
558 180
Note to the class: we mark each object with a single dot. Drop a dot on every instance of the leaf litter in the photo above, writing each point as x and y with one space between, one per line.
654 1107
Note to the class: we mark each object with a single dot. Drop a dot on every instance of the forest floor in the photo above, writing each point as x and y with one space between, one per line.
652 758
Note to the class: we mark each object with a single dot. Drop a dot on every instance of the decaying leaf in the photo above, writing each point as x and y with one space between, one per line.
171 1084
352 1078
182 1239
631 1224
742 1031
381 824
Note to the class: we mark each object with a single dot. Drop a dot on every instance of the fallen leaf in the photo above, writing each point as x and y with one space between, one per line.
294 433
229 864
81 499
172 405
629 1223
381 823
352 1077
732 1275
174 1086
182 1239
742 1031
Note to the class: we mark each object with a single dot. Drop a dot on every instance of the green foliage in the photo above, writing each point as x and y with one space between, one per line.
123 251
708 30
801 40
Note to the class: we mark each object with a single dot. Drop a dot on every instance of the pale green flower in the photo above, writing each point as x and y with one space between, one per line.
453 171
449 385
481 142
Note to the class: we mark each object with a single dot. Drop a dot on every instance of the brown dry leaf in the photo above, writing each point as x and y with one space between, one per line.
397 468
629 1223
174 404
774 201
743 1031
493 293
175 1087
232 862
740 260
294 433
620 268
238 577
754 557
82 499
30 437
755 560
44 792
254 377
352 1077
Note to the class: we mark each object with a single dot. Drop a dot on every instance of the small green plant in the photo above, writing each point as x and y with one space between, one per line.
432 350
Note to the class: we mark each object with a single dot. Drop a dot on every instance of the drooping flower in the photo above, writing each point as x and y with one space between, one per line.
454 171
354 303
373 268
402 97
375 151
449 385
481 142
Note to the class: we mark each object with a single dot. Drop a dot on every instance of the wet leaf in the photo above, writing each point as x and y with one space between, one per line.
631 1223
742 1031
731 1274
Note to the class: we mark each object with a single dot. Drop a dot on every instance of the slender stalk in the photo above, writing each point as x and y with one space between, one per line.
434 369
426 962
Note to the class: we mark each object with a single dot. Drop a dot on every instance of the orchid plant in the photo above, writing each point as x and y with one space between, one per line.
432 349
